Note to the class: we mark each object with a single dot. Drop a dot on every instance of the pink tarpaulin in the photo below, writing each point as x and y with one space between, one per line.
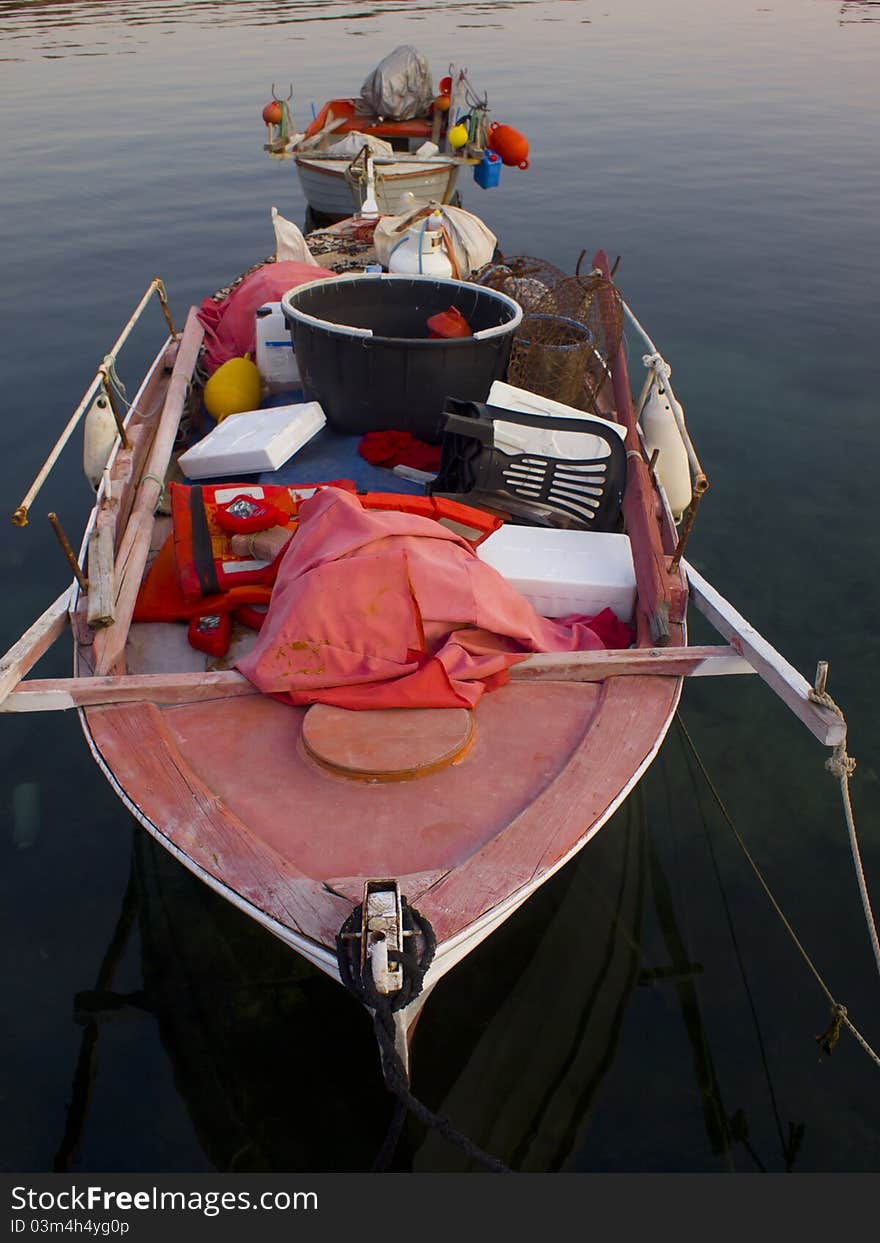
386 610
230 325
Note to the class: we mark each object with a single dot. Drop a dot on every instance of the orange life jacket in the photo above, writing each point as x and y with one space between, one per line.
196 573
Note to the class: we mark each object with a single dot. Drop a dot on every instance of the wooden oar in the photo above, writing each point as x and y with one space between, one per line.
35 641
772 667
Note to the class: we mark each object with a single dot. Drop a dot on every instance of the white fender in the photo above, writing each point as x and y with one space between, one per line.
660 431
99 436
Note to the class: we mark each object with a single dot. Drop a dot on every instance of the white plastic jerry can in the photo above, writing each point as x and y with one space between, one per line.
276 360
660 430
423 249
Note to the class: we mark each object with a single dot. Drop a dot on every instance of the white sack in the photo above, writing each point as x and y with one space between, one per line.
473 243
354 142
289 241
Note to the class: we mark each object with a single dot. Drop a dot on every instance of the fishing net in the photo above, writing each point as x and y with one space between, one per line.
570 330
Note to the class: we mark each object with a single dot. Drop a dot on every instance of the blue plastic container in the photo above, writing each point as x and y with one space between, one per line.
488 172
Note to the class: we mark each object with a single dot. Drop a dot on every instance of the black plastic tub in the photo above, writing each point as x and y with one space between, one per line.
364 350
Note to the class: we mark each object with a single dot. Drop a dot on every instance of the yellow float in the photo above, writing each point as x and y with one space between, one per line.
234 387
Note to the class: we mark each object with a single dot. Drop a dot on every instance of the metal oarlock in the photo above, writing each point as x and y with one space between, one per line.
700 486
114 407
68 552
820 684
163 302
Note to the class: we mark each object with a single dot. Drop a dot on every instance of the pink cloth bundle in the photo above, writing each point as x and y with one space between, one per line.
374 609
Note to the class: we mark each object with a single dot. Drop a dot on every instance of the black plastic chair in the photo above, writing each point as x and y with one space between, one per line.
536 490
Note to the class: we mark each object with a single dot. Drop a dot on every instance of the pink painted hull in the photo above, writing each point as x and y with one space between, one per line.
227 785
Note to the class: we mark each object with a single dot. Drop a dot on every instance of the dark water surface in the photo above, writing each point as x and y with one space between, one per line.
646 1011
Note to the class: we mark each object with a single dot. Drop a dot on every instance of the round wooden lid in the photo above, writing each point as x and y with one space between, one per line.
391 744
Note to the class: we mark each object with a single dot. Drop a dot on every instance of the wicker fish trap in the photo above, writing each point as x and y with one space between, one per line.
569 333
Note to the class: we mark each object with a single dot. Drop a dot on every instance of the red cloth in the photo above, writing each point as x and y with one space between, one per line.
399 449
385 610
230 325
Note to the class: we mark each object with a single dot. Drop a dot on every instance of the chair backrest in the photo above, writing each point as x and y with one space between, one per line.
537 488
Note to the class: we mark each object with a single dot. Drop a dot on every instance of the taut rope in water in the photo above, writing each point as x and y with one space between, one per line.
839 1015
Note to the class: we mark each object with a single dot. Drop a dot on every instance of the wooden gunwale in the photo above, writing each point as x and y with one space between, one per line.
134 542
662 596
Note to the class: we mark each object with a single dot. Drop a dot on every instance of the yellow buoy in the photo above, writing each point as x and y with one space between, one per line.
458 136
234 387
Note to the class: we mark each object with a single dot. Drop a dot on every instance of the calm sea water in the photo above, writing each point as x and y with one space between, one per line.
647 1011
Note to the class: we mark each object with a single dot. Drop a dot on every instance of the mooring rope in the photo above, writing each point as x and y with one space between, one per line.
396 1081
360 984
842 766
839 1015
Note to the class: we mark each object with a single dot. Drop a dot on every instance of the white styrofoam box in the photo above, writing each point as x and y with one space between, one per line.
276 360
561 571
253 441
513 438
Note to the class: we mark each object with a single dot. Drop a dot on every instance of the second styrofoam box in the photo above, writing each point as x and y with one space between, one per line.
256 440
561 572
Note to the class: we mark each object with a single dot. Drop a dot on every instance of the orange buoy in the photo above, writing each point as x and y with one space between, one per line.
449 323
272 113
510 144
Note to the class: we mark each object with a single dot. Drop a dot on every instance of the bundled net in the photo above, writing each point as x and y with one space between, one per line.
570 331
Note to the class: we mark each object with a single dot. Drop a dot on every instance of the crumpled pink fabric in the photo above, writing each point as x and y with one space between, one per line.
373 609
230 325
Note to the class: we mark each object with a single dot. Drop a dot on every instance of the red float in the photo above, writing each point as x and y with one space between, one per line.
510 144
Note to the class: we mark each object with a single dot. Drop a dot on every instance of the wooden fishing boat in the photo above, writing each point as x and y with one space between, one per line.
418 162
381 846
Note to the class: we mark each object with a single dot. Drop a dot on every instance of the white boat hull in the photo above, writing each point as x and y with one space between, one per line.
330 193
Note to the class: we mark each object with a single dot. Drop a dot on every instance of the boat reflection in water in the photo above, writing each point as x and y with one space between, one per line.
278 1067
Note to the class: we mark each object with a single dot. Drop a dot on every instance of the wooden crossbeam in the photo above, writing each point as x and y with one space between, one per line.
678 662
58 694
